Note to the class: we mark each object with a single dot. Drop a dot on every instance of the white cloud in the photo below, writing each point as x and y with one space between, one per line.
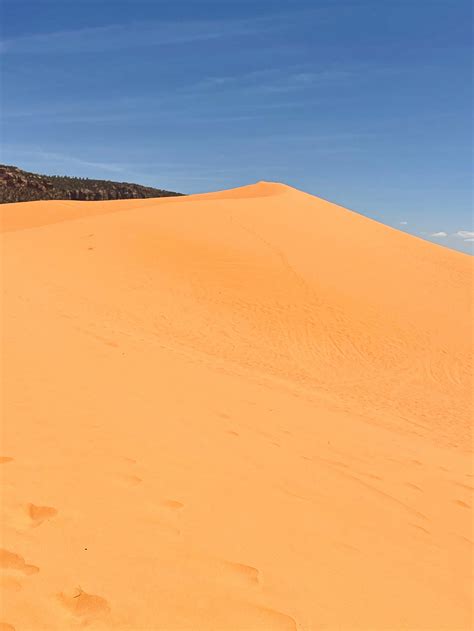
465 234
403 223
471 239
439 234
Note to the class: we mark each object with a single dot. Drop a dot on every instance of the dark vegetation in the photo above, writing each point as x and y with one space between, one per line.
20 186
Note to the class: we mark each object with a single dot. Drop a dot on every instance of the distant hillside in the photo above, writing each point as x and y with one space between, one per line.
20 186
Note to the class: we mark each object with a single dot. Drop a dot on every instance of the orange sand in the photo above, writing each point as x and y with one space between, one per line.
237 411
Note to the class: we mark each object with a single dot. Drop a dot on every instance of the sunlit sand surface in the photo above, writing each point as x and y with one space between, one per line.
245 410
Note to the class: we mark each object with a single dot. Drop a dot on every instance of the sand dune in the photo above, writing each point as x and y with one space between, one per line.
242 410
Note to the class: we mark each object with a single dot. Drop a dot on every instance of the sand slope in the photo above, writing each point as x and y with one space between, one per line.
244 410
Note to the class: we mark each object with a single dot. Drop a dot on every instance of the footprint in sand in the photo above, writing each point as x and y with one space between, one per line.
273 619
130 460
245 572
5 459
464 486
39 514
167 522
84 605
4 626
132 480
11 561
173 504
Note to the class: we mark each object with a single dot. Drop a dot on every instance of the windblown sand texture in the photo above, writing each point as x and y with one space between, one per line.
238 411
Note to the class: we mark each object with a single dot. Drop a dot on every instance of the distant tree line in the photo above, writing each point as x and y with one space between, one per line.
19 186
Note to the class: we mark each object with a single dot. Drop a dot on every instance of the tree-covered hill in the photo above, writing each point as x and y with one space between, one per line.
21 186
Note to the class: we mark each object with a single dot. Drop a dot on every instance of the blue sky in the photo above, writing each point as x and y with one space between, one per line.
364 103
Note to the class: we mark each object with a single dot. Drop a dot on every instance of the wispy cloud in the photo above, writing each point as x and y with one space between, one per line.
131 35
62 159
439 234
274 81
403 223
259 93
139 34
